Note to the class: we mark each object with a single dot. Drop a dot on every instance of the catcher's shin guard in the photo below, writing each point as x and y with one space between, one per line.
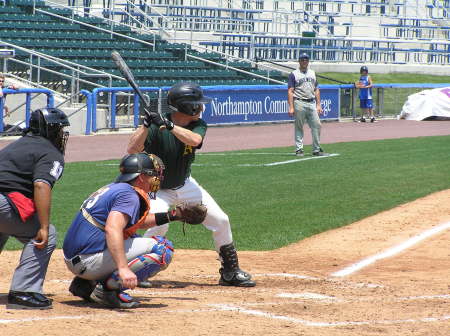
82 288
147 265
230 273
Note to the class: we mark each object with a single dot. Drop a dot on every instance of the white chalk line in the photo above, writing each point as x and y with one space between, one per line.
321 297
391 251
307 277
307 323
50 318
307 295
237 154
286 162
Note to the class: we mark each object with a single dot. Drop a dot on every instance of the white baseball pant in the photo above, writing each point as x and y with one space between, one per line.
191 192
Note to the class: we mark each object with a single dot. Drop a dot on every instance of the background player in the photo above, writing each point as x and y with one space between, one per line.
365 84
181 135
29 167
304 105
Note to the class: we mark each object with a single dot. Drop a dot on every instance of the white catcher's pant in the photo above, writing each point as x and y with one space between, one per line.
216 220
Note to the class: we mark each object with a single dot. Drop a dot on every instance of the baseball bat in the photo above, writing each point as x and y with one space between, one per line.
128 75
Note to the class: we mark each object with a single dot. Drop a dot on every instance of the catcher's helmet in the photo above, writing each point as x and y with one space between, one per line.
364 69
132 165
303 56
187 98
49 123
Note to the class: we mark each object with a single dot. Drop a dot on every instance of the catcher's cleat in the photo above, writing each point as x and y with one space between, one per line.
230 273
144 284
82 288
113 298
237 278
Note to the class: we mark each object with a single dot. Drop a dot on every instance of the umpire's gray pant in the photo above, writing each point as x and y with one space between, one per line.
30 273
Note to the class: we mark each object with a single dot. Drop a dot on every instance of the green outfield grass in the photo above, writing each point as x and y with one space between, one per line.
272 206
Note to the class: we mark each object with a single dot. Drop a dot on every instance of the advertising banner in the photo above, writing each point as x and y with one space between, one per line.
256 104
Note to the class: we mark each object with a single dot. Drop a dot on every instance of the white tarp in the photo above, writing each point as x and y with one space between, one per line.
427 105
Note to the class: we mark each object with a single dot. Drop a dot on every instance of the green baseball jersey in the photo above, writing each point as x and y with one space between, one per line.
176 155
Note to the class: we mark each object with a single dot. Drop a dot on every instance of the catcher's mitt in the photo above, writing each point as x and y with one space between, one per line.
190 213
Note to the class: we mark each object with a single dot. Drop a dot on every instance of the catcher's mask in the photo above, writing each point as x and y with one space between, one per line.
187 98
49 123
132 165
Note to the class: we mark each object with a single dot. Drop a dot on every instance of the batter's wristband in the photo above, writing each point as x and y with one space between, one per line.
169 124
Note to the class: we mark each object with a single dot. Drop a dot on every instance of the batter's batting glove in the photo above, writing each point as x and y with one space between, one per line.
161 122
147 119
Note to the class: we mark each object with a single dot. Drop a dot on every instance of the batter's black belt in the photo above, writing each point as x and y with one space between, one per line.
178 187
310 100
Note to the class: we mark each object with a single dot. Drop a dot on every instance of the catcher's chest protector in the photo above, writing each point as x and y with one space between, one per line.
145 208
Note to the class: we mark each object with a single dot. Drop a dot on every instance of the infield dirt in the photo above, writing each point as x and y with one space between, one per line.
405 294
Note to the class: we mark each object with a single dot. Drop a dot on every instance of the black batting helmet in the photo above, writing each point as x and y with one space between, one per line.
364 69
49 123
132 165
187 98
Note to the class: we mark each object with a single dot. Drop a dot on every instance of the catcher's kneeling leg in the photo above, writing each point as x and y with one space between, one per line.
147 265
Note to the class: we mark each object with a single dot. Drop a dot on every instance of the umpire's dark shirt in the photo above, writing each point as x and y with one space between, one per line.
26 160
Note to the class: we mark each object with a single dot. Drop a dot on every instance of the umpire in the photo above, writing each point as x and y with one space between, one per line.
304 105
29 167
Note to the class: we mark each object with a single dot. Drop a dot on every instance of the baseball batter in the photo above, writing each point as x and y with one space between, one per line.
304 105
175 138
29 167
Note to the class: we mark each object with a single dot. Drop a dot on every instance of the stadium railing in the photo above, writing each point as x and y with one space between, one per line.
27 102
243 104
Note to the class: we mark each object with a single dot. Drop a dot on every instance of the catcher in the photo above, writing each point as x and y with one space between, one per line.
101 247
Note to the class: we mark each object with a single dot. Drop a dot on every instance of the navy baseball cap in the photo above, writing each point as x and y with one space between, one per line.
303 56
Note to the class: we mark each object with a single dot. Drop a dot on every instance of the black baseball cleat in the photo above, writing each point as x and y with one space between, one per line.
237 278
362 119
113 298
144 284
299 152
372 119
230 273
28 300
82 288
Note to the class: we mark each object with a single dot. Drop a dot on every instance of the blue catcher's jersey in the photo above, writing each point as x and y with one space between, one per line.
85 238
365 93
